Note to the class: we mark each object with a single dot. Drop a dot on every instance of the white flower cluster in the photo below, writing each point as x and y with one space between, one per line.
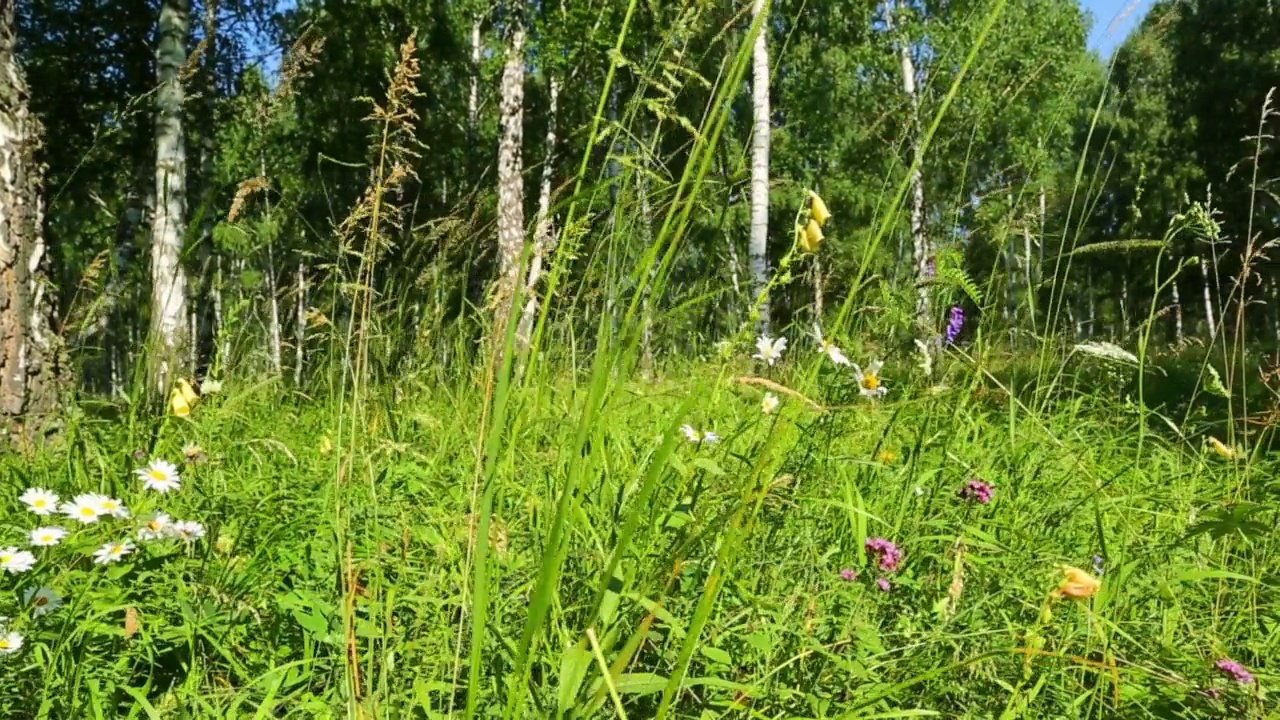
87 509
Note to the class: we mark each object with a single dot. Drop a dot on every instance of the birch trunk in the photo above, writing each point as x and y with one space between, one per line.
1209 315
543 236
473 100
300 324
1092 315
510 176
758 250
169 280
29 361
647 364
202 326
919 242
1177 315
277 337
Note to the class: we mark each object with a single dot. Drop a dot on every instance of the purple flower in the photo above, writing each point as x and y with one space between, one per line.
884 584
1237 671
955 324
1098 563
888 553
978 490
848 574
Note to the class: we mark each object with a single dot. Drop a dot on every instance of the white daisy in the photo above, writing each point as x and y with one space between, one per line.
869 383
40 501
829 348
112 551
160 475
209 386
769 404
188 530
42 601
47 536
10 643
698 436
157 528
84 508
111 506
14 561
769 350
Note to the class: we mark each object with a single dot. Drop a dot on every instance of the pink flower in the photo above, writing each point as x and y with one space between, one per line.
888 553
1238 672
884 584
848 574
978 491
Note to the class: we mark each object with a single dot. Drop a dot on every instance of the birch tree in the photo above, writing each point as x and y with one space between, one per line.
28 355
169 280
510 170
919 241
758 248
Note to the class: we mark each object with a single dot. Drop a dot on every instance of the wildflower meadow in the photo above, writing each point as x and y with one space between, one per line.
766 359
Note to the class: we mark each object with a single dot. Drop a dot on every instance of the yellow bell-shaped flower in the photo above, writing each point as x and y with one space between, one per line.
183 398
811 237
1077 584
818 209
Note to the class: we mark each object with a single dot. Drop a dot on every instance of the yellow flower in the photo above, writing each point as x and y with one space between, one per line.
1222 449
183 398
326 446
810 236
1077 584
887 457
818 209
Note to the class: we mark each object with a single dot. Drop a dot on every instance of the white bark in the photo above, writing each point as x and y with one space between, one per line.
273 292
28 355
1209 315
510 175
919 242
1092 317
543 236
300 324
473 100
168 227
758 250
219 329
1177 314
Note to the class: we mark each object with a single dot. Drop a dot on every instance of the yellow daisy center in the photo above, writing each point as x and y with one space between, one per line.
41 600
87 511
158 475
40 503
870 381
4 643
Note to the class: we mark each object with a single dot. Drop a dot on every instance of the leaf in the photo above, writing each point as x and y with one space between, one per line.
709 465
640 684
716 655
1198 574
573 670
1213 384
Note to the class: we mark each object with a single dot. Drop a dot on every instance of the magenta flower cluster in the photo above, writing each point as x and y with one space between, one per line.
889 555
1238 672
978 491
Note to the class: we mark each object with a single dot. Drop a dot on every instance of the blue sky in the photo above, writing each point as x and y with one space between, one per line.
1112 21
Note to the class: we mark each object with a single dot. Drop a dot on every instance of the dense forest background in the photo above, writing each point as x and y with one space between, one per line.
1057 194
